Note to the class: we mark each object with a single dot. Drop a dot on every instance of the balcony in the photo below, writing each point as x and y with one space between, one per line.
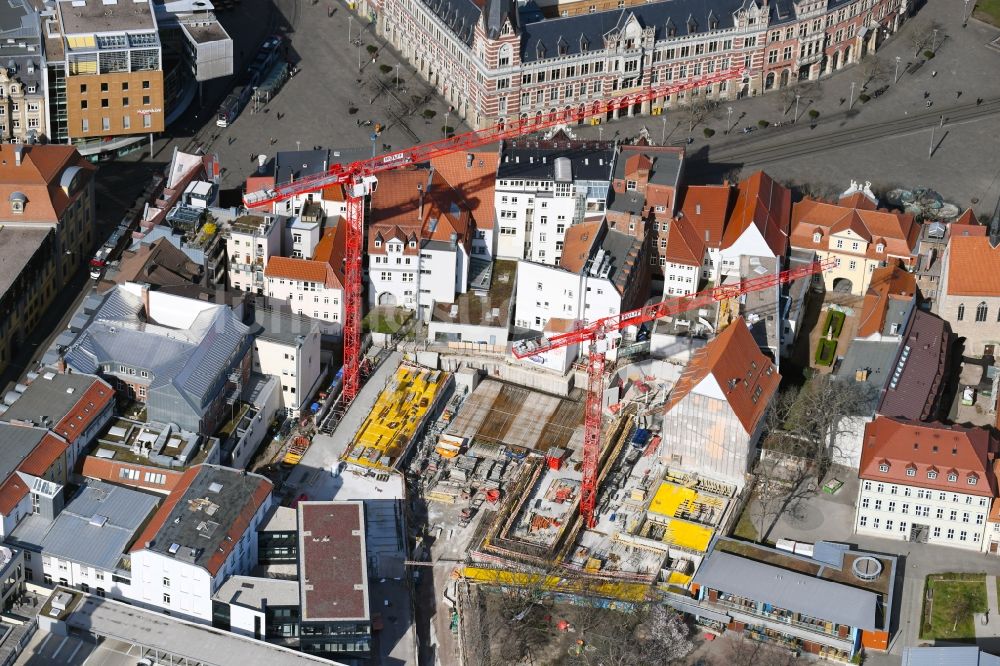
801 630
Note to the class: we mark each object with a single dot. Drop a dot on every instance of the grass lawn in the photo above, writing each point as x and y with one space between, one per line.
950 592
386 319
989 11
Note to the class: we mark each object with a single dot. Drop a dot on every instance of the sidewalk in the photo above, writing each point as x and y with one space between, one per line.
988 632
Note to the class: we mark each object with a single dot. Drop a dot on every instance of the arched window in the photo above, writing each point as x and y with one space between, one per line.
981 312
960 315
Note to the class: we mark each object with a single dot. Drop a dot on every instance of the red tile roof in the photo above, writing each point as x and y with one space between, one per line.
739 367
93 401
475 181
333 570
49 449
326 266
887 283
973 265
706 207
110 470
929 448
578 243
397 210
684 245
765 204
39 176
898 232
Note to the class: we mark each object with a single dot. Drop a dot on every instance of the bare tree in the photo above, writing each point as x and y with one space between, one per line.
820 416
697 111
873 70
922 35
745 651
654 635
962 607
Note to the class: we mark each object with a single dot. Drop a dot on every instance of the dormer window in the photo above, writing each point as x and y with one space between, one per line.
413 243
952 477
540 50
973 479
880 248
883 467
17 202
817 237
931 474
911 471
562 48
378 243
583 44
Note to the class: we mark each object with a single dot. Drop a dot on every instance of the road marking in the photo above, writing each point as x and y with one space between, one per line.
59 649
41 646
79 644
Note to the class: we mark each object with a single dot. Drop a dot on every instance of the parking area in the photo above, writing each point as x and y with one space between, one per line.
330 98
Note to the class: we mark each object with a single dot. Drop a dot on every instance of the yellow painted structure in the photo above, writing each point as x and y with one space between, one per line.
632 592
673 505
398 414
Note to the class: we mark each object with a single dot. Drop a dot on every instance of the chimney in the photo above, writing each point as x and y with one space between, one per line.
261 161
18 154
145 300
61 364
420 189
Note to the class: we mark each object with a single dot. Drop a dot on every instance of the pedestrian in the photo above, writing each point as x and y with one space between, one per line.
958 94
273 141
929 103
979 100
934 73
926 94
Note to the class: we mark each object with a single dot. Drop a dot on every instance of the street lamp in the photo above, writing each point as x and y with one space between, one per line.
663 134
965 14
895 76
729 122
397 76
359 56
298 146
795 120
446 114
851 105
350 20
935 40
930 148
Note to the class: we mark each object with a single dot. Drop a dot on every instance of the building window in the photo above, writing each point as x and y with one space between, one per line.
959 316
884 467
910 471
166 582
953 477
973 480
166 598
630 185
817 237
981 312
880 248
931 474
863 521
147 121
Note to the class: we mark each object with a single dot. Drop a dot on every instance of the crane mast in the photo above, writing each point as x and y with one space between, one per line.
594 335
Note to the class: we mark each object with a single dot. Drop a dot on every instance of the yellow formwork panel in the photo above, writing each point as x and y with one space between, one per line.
669 497
688 535
398 412
634 592
678 578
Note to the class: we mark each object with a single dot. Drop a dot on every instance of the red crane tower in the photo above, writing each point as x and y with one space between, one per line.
359 180
593 334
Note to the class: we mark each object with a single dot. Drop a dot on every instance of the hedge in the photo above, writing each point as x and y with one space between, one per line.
825 351
834 323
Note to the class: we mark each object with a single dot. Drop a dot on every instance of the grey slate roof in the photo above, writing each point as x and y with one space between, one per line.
78 534
789 590
922 362
187 362
295 164
16 443
624 252
948 656
281 326
461 16
535 159
204 515
50 398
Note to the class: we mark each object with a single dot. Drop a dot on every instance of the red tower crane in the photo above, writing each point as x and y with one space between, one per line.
593 333
359 180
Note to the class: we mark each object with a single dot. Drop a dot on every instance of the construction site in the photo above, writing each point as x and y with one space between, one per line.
401 412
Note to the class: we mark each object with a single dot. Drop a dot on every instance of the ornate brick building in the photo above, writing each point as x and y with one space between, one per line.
492 62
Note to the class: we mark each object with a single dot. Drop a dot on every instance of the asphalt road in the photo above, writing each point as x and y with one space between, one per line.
797 143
